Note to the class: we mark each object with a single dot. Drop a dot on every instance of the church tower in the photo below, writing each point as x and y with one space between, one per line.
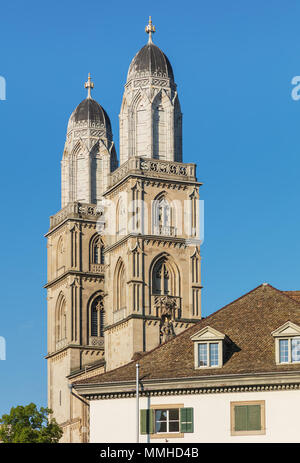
150 117
152 278
89 154
76 265
124 250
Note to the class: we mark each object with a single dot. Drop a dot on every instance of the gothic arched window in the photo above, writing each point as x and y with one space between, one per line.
142 124
97 317
60 253
97 250
161 278
165 278
159 132
163 217
120 286
61 320
121 217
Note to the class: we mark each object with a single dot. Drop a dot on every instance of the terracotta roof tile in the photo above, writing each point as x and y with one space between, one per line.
294 294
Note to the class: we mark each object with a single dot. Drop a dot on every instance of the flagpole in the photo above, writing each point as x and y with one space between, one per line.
137 405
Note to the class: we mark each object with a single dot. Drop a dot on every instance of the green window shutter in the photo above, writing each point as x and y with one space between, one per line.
247 418
186 420
253 418
240 418
147 421
143 421
151 421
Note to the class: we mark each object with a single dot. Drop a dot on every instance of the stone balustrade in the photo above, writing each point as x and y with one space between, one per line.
97 341
75 210
164 230
154 167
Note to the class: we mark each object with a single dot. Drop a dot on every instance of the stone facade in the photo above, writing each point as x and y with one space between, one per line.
123 252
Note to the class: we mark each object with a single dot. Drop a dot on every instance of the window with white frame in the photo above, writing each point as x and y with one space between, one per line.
208 354
289 350
167 420
208 348
287 343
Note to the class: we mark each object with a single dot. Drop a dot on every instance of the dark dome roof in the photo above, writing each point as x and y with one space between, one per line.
150 60
90 110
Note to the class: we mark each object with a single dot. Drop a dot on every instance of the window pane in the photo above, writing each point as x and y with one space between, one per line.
283 350
102 255
102 321
296 350
174 426
96 254
167 420
160 426
160 415
202 352
94 322
214 354
174 414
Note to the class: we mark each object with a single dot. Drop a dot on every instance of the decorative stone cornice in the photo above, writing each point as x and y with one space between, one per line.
64 350
86 276
263 382
193 391
158 240
150 318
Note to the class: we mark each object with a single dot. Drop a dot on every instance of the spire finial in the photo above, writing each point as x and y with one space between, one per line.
89 85
150 29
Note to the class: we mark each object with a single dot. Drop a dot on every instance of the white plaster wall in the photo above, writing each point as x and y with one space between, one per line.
114 420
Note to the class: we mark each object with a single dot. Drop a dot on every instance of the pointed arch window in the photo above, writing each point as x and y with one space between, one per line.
97 250
121 302
163 217
159 132
163 213
161 278
121 217
60 254
97 317
120 287
61 323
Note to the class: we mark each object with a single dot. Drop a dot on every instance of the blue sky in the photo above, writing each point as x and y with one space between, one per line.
233 63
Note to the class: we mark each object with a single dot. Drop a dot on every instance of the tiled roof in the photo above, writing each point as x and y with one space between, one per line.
294 294
248 323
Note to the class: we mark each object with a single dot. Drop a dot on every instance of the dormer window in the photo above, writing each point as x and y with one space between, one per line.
208 354
208 348
287 343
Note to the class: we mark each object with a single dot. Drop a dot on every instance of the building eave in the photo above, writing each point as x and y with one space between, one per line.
190 385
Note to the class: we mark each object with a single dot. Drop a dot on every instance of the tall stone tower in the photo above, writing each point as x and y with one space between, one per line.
152 278
76 265
124 251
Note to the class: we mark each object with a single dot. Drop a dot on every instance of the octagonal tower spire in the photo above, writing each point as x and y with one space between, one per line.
150 116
